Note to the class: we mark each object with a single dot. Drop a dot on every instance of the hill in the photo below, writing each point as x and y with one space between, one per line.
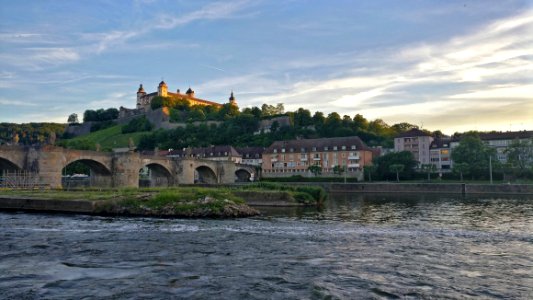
108 139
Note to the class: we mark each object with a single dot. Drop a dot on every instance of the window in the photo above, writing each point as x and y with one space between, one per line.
444 151
353 147
335 148
275 150
326 148
282 150
302 149
343 147
314 148
291 150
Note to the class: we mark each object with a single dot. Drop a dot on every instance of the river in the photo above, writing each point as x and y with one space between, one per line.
357 247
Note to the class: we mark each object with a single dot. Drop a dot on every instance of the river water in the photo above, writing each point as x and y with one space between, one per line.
357 247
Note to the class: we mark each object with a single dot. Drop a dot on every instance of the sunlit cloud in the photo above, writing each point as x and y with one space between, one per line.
509 92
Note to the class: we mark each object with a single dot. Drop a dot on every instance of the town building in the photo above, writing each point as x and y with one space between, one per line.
218 153
267 125
441 155
415 141
286 158
502 140
252 156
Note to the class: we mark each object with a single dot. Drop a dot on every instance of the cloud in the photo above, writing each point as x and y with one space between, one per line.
115 99
217 10
16 102
507 92
425 80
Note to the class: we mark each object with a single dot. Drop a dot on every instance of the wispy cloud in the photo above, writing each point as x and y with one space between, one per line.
213 11
16 102
218 10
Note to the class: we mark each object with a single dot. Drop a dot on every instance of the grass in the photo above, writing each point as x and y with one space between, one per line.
182 201
109 138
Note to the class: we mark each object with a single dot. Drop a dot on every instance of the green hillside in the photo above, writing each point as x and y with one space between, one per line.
108 139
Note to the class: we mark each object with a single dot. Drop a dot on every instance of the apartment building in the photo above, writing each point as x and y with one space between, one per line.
286 158
415 141
501 141
440 154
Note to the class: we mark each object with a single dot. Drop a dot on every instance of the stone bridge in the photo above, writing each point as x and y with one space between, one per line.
119 169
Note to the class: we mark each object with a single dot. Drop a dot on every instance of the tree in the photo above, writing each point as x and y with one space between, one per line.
520 154
359 122
397 168
461 168
73 119
368 170
315 169
403 127
428 168
472 151
271 110
405 158
338 170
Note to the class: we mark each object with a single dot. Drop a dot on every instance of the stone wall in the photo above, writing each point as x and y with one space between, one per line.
452 188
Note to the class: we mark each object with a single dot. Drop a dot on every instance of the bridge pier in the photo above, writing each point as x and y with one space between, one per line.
125 169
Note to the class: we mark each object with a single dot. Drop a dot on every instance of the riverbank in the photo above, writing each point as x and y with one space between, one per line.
447 188
180 202
176 202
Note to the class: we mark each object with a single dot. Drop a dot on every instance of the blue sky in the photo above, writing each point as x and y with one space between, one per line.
448 65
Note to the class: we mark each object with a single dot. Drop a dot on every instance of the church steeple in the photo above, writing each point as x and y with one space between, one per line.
232 99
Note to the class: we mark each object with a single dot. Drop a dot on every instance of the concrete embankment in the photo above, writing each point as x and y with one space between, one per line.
32 204
451 188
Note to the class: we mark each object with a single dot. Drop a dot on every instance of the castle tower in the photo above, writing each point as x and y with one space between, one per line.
232 100
140 94
190 92
162 89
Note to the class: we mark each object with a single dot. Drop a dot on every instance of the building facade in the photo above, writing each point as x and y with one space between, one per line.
286 158
217 153
252 156
415 141
440 154
501 141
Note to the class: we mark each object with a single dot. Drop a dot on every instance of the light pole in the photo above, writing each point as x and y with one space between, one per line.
490 168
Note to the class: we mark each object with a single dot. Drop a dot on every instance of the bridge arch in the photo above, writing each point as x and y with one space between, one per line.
8 165
98 174
243 175
154 174
205 174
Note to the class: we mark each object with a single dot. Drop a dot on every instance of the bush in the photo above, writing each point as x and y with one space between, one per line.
102 125
136 125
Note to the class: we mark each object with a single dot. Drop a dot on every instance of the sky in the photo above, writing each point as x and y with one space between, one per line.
450 65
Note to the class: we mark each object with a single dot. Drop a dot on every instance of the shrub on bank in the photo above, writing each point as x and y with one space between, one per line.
315 194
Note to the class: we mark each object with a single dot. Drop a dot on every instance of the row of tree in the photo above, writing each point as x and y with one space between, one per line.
472 158
240 128
99 115
30 133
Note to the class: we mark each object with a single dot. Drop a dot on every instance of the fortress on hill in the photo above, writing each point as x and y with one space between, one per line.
144 100
160 116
